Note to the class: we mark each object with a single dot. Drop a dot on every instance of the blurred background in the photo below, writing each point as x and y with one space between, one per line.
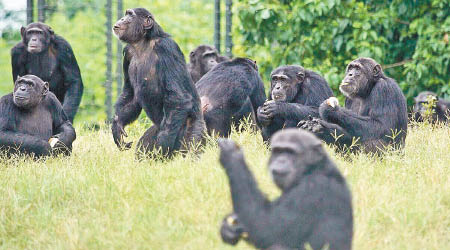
410 38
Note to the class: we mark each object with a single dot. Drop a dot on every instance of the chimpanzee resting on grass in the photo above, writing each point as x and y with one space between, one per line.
32 120
202 59
315 206
156 80
295 94
231 91
48 56
441 108
375 112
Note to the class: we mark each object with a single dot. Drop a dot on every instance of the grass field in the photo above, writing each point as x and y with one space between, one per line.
101 198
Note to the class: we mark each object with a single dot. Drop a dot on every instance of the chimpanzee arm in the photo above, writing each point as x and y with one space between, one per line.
72 76
180 93
295 112
276 124
127 106
14 141
16 54
257 214
62 128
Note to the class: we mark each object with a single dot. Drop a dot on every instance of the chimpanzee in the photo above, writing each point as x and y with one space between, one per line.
441 110
375 112
48 56
156 80
202 59
295 94
229 92
32 120
314 207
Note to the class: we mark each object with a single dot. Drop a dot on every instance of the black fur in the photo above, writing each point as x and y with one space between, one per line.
231 91
56 64
156 80
27 128
202 59
306 93
441 110
314 207
375 111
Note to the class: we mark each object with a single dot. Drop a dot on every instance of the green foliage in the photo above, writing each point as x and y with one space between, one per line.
327 35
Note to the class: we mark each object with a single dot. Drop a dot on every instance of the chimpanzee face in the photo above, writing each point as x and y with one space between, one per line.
286 82
209 60
360 75
37 37
421 100
294 153
29 91
132 27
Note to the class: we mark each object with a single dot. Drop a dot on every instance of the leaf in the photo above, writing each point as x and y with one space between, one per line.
265 14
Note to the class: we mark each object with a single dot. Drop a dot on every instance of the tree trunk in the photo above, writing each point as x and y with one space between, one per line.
119 53
41 11
108 83
228 36
29 11
217 25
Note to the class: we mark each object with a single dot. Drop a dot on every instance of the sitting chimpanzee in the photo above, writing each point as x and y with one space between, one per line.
156 80
229 92
32 120
295 94
48 56
202 59
315 206
375 112
441 108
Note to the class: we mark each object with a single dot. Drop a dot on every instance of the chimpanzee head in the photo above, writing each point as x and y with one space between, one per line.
286 82
204 58
294 153
37 37
136 25
422 99
361 75
29 91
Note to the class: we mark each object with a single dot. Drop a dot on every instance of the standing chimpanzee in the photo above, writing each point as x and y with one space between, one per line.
229 92
202 59
375 111
295 94
315 207
32 120
48 56
441 108
156 80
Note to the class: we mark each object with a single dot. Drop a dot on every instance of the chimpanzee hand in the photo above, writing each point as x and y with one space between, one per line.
232 230
312 124
230 154
118 134
263 117
272 108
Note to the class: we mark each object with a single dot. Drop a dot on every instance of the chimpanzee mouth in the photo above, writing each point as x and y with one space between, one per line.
278 97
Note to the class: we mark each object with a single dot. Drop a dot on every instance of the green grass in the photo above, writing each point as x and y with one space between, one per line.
101 198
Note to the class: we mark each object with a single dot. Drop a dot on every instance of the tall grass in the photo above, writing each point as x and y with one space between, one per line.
102 198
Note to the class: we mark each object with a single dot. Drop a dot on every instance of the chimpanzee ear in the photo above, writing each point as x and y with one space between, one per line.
50 30
377 70
22 31
46 87
301 76
148 22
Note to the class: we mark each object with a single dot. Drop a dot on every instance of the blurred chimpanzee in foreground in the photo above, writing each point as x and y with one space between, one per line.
375 112
156 80
33 122
48 56
202 59
315 206
295 94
